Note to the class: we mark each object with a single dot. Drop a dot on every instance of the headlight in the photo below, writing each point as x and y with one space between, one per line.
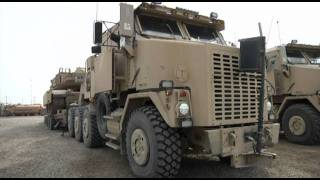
269 106
166 84
184 108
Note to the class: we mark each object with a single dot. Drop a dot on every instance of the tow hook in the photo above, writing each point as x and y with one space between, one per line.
254 142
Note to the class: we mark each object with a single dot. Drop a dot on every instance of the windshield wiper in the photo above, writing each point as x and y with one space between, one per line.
169 27
306 57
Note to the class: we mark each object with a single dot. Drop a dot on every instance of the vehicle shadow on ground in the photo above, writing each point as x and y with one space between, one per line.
221 169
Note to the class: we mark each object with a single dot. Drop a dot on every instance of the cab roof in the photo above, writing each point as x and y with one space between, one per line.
179 14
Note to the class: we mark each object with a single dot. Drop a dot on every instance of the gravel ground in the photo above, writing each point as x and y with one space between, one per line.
28 149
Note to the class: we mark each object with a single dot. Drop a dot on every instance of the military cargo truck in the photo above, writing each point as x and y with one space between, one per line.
163 84
63 92
293 70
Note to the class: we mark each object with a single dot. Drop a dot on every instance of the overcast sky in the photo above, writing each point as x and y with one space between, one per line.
38 38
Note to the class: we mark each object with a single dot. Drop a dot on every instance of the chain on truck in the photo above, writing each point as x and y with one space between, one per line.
163 84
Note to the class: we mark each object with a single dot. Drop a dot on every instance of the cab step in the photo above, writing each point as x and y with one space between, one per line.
112 136
108 117
112 145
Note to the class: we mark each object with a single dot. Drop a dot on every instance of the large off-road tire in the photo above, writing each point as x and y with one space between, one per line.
71 122
45 120
90 132
153 148
102 108
301 124
78 124
51 123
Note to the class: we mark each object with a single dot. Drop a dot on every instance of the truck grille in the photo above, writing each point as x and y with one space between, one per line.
235 94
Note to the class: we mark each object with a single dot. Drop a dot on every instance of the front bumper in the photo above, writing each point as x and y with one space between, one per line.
238 142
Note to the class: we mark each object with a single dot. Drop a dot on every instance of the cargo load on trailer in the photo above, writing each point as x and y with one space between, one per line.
64 91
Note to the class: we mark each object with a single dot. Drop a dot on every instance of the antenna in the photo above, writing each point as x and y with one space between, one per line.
269 30
97 9
279 32
260 29
31 90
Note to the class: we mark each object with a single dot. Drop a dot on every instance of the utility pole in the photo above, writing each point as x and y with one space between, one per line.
31 90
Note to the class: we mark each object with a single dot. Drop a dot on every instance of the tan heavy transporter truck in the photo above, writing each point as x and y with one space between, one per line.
64 91
293 71
163 84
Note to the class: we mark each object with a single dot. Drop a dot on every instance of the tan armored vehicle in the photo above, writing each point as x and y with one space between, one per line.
163 84
63 92
293 70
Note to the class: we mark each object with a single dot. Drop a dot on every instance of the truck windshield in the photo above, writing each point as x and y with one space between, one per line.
202 33
303 57
314 57
296 57
154 26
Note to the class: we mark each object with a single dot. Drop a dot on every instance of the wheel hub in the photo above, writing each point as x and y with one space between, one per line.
85 127
297 125
76 121
139 147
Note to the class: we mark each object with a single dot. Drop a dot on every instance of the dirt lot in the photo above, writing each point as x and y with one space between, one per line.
28 149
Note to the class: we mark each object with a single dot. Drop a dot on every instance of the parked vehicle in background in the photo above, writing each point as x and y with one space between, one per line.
293 71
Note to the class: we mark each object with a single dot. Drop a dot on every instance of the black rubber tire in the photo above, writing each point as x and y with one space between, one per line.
92 138
71 122
102 109
312 121
164 144
45 120
78 125
51 123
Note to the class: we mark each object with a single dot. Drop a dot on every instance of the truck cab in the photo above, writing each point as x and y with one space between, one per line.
163 84
293 70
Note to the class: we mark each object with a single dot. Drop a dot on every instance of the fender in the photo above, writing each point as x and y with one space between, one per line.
313 100
166 105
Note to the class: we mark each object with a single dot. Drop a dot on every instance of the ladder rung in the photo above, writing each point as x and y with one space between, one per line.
108 117
111 136
115 99
120 78
112 145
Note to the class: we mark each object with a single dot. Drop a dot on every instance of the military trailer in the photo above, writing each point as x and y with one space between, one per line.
163 84
293 71
63 92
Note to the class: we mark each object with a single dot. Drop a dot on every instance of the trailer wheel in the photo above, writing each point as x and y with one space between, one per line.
71 122
45 120
78 125
301 124
103 108
153 148
90 132
51 123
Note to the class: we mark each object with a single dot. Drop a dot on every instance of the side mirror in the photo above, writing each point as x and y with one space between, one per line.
285 70
97 33
252 54
96 49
